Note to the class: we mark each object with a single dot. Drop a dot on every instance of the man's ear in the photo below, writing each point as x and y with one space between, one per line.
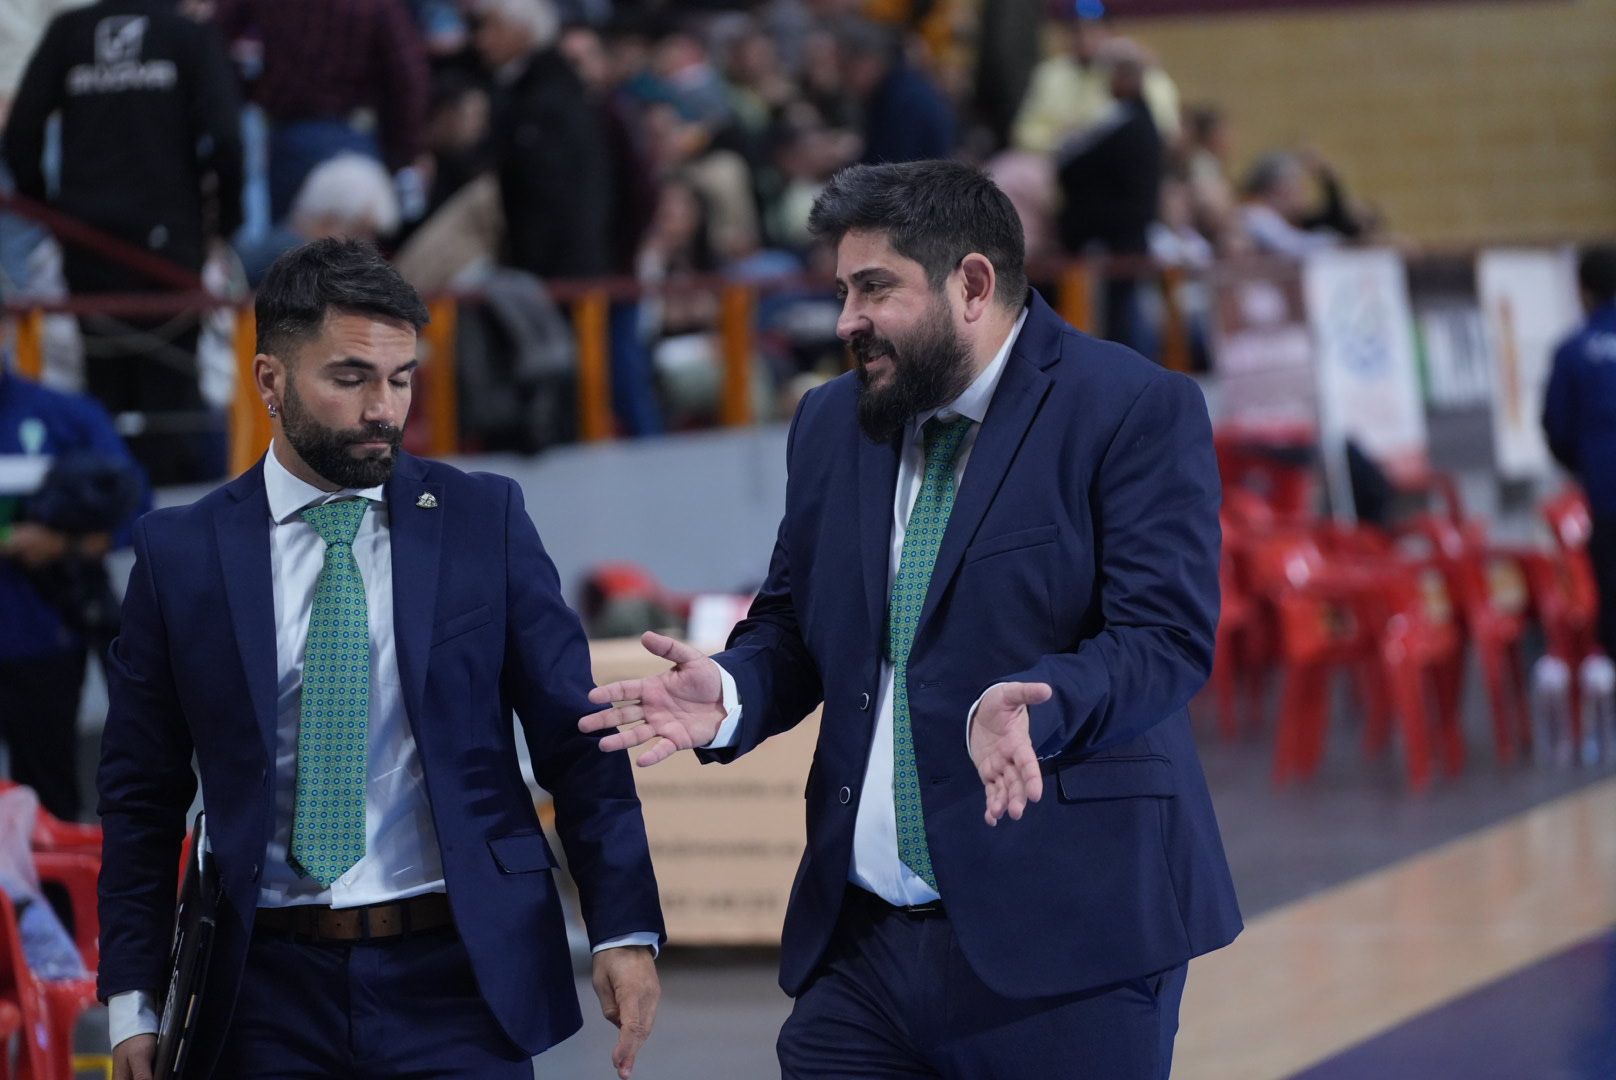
979 282
269 379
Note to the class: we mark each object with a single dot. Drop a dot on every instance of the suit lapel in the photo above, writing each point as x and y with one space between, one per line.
878 479
417 535
1021 391
242 530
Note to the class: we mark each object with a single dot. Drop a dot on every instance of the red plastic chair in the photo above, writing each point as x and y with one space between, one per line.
23 1007
66 1000
1363 610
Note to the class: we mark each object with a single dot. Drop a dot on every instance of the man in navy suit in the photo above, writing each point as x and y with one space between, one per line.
998 573
340 636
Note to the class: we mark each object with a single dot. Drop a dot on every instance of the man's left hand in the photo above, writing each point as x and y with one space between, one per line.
34 545
626 983
1001 746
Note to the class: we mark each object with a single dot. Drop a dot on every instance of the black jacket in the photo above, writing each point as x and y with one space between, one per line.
554 173
1110 181
149 109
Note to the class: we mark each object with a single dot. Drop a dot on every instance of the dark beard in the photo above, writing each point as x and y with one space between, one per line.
325 450
929 370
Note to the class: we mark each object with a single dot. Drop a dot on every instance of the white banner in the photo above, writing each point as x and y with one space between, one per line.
1368 375
1529 303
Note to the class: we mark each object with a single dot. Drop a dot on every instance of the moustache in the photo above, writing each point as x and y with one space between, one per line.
868 347
388 433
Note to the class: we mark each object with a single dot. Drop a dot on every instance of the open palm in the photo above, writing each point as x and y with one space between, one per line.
683 706
1001 746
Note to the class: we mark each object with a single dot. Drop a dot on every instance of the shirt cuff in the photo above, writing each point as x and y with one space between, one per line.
647 938
131 1013
970 718
732 712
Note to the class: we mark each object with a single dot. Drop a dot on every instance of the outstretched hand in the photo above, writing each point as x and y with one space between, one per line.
1001 746
682 707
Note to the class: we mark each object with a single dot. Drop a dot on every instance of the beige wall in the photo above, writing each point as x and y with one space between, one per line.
1462 121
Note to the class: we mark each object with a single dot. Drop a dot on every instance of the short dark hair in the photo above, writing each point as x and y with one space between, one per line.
309 282
934 212
1596 273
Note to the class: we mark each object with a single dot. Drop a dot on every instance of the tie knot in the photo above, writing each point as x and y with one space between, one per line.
943 438
336 522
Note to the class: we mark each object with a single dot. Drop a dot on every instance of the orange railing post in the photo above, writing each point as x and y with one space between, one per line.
738 307
590 327
442 397
249 421
31 344
1075 296
1175 348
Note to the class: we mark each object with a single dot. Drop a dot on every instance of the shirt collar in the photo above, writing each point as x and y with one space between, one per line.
288 495
973 403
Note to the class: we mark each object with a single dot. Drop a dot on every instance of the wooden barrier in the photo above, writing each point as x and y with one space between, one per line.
250 427
725 839
442 393
1175 348
31 344
1074 297
590 326
738 312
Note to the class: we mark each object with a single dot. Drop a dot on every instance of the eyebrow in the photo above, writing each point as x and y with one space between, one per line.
865 274
354 363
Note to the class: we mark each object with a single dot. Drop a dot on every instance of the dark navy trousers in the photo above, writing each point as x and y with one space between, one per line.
401 1009
895 998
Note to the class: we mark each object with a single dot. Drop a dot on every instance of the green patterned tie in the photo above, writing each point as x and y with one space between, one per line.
328 824
921 539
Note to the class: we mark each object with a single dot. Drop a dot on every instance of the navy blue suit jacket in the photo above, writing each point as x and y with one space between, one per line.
1082 551
482 630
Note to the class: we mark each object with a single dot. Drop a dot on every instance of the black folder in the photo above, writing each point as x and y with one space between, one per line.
195 922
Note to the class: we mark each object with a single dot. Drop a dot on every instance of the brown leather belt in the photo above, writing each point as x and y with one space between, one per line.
370 923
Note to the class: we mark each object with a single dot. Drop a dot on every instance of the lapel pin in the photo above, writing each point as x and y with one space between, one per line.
427 501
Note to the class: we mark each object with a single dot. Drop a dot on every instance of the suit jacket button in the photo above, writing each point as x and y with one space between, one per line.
846 795
864 701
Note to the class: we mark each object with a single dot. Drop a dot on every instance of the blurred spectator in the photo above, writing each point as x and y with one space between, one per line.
1204 154
1028 181
1579 420
53 586
149 125
349 196
634 202
1278 208
685 150
1071 90
680 320
806 154
687 78
1110 181
328 68
633 186
906 118
760 91
459 137
22 24
821 80
554 170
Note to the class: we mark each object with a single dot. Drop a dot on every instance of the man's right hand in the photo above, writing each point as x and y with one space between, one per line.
684 707
134 1058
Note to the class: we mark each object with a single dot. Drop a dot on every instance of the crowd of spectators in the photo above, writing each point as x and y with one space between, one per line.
490 145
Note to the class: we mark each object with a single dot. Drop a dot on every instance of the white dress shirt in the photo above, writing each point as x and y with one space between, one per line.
876 866
401 857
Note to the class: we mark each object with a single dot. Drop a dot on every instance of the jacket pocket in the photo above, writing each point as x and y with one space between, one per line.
1015 541
1147 777
463 623
522 853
